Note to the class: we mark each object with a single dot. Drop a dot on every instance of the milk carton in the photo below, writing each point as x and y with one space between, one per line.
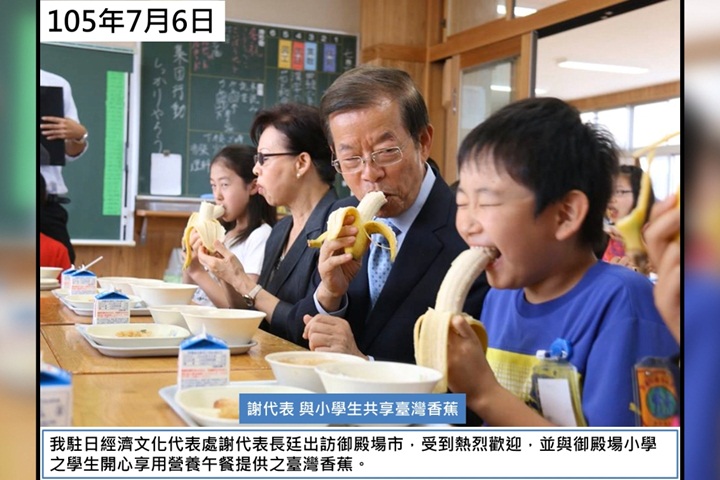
203 361
55 396
111 307
65 278
82 282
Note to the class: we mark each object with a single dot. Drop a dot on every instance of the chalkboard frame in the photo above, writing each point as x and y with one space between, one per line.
125 230
143 184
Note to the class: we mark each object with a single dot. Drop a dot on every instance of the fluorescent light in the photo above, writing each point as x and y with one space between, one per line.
600 67
519 11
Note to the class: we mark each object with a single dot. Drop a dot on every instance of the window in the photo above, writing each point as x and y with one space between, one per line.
638 126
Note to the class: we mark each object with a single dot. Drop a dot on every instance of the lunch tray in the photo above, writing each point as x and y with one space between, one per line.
132 352
168 394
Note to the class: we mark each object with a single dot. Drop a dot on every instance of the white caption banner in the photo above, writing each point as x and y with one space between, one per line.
132 21
406 453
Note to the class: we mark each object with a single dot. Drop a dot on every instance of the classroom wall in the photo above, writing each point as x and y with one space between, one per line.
150 258
338 15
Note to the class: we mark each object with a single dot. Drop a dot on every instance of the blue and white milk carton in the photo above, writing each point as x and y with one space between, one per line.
111 307
203 361
65 278
82 282
55 396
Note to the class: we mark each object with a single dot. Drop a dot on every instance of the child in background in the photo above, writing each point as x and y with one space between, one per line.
248 220
534 184
623 200
701 332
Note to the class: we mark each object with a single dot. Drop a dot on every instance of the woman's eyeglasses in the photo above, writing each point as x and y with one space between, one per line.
261 157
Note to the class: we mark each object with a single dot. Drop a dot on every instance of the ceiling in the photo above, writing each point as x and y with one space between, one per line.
648 37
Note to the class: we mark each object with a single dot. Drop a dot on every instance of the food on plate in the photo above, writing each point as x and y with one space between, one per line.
208 227
229 408
432 328
134 333
363 221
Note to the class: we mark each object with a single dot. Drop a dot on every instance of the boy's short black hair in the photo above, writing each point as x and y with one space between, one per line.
543 144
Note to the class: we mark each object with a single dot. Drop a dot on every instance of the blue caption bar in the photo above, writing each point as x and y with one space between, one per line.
352 408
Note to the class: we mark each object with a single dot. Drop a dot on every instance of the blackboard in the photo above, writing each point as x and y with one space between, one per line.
199 97
97 181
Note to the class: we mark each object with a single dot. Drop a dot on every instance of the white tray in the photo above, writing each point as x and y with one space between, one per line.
132 352
168 394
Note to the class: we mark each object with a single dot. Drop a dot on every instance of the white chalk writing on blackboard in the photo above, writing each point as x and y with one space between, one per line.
178 90
203 149
228 97
157 113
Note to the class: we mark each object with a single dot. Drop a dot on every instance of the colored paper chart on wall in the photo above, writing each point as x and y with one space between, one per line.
199 97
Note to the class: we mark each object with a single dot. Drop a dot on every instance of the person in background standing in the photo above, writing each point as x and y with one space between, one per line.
53 216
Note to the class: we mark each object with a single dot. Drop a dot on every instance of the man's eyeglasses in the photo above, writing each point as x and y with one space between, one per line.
261 157
620 193
382 158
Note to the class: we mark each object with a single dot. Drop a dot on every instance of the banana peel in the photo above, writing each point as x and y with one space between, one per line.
431 330
208 227
362 220
631 226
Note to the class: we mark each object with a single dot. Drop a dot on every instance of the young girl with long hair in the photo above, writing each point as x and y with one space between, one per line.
248 220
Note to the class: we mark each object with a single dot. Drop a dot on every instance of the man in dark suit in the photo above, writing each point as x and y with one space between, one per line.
377 124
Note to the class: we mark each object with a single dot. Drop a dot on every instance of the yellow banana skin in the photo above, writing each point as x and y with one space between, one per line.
362 220
207 226
630 226
432 329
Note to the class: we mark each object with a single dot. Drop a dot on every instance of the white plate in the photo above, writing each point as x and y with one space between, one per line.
133 352
197 403
120 335
168 394
52 285
64 292
87 301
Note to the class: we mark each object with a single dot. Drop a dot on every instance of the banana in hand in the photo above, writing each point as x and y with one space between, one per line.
363 221
432 329
206 224
630 226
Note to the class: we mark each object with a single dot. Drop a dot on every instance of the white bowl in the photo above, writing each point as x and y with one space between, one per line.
198 402
50 272
172 314
235 326
297 369
120 335
122 284
377 377
165 293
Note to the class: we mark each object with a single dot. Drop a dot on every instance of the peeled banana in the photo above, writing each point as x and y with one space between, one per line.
205 223
432 329
363 220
